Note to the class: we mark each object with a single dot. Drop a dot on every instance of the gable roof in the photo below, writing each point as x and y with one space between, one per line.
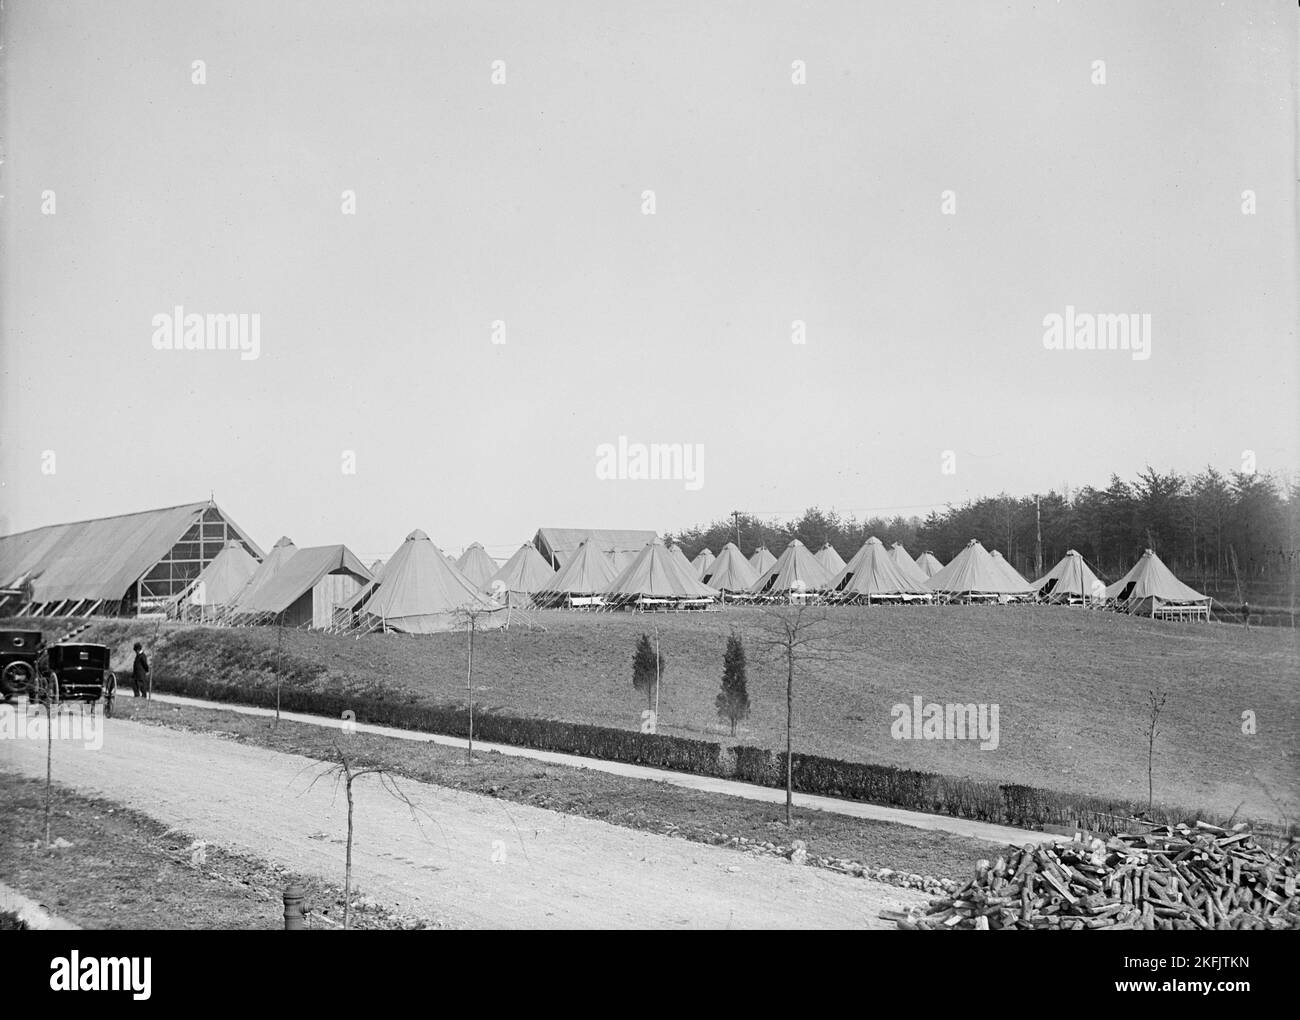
974 572
656 573
796 569
560 544
100 558
477 565
299 573
525 572
1150 578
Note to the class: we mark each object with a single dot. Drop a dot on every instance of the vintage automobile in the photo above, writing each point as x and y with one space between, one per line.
75 672
19 650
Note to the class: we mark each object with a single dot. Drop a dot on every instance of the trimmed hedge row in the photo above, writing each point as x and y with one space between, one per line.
1021 806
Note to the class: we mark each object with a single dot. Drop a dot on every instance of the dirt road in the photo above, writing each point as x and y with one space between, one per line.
469 860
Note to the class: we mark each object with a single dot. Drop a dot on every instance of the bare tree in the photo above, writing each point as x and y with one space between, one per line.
800 636
470 617
348 770
1151 729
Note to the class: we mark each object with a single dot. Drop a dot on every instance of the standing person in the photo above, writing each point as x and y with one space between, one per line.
140 672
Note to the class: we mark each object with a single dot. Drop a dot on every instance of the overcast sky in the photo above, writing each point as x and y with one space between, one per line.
522 202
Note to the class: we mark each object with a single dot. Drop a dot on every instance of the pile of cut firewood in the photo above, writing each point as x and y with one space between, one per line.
1198 876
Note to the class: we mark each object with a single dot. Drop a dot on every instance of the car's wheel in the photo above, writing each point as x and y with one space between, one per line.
16 679
46 689
110 693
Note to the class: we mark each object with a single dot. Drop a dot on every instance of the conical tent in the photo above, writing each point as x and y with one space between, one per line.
762 560
525 572
477 565
832 562
588 572
703 560
873 573
1071 579
1013 576
796 570
657 574
377 567
1151 585
906 564
675 551
619 559
421 593
929 563
279 555
973 572
730 571
224 577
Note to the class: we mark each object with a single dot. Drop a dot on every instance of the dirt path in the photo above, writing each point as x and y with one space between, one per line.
473 861
999 834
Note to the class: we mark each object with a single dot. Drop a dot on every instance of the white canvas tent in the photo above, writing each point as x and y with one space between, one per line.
730 573
477 565
421 593
1071 580
675 551
929 563
1151 589
974 576
872 575
221 581
525 573
703 560
832 562
1013 576
280 554
761 560
657 579
582 579
909 567
795 572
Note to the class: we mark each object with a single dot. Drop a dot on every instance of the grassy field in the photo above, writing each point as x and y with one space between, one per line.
1071 687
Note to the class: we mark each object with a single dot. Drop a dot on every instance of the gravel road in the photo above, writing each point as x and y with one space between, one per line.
465 859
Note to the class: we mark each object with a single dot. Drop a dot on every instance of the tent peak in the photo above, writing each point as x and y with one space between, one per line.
417 536
284 541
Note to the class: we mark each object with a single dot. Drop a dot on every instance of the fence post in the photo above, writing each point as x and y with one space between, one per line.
293 908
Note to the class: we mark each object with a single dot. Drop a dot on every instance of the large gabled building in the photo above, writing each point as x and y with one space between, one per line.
558 545
124 565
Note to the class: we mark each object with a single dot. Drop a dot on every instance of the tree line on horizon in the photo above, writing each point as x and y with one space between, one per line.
1210 527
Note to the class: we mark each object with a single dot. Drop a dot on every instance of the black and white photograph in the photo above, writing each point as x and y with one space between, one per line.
564 465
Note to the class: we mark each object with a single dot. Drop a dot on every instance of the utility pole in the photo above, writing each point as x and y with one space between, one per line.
469 689
1038 549
735 516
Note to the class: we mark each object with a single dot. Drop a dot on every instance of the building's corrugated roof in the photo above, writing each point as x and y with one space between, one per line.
299 573
97 559
559 544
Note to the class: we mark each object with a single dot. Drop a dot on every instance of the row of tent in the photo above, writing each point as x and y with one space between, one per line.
420 589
